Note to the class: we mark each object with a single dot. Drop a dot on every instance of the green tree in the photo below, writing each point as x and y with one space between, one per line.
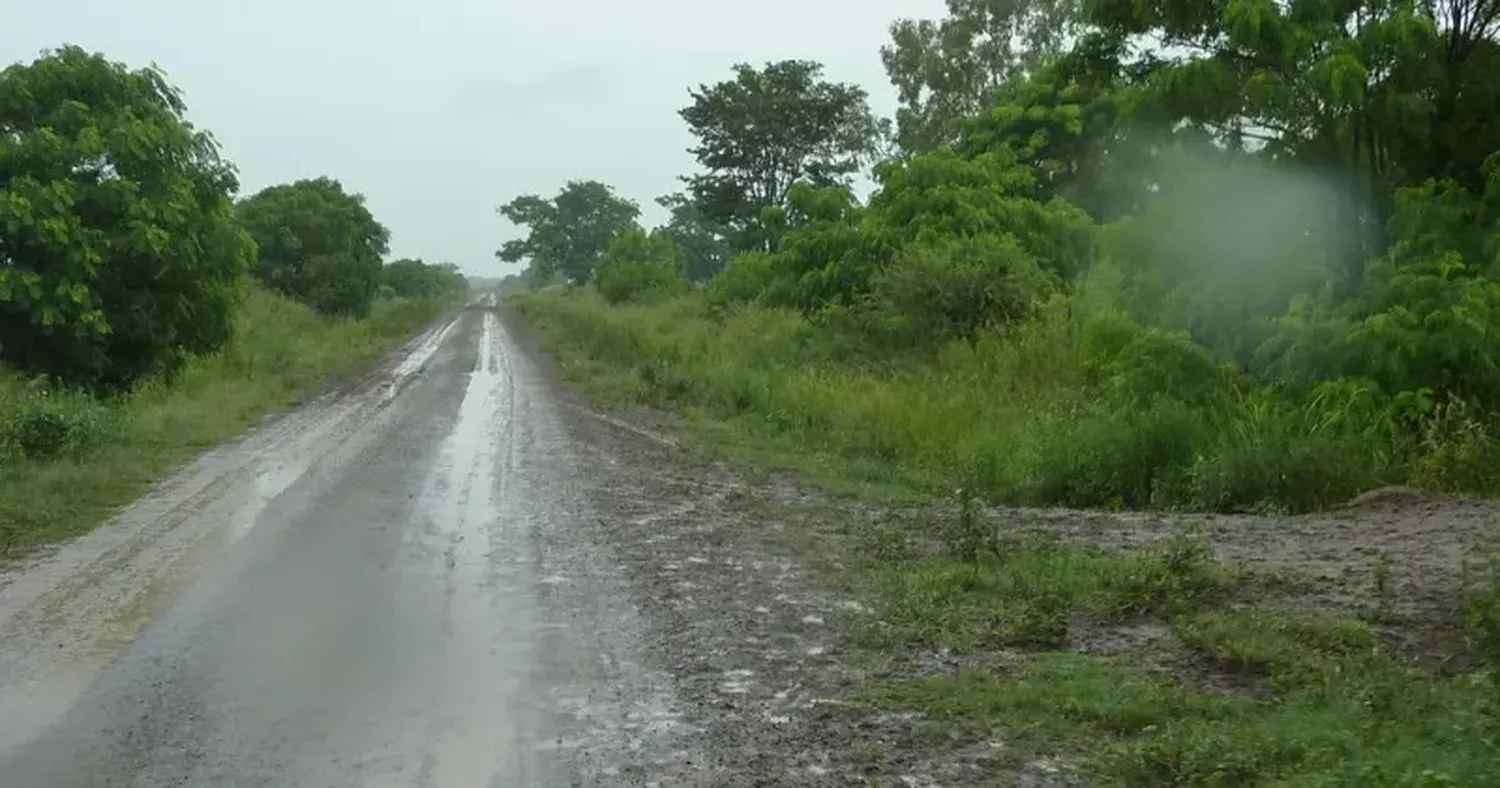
118 253
318 244
766 130
701 247
947 70
639 265
409 278
567 234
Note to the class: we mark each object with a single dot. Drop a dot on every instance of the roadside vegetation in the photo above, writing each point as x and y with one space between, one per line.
1251 271
144 312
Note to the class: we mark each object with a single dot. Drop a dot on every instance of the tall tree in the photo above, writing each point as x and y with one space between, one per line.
701 248
318 244
947 69
408 278
118 253
764 131
569 233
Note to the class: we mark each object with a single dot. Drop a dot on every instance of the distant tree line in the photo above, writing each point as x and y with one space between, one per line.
122 250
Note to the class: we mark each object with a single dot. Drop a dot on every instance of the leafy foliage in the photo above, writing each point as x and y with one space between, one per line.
764 131
416 279
568 234
1144 254
640 265
700 243
948 70
118 256
318 244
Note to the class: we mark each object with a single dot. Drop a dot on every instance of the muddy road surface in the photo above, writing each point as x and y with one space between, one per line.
442 574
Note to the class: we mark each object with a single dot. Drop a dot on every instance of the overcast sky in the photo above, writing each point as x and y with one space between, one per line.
441 110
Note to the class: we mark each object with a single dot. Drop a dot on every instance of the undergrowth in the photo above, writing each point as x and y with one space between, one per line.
68 461
1073 408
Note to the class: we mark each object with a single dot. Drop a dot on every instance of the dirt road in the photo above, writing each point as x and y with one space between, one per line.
445 574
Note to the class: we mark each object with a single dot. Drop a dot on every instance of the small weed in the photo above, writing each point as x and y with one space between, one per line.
971 537
868 754
886 544
1380 575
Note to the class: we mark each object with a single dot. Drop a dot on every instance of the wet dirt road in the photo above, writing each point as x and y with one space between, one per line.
401 584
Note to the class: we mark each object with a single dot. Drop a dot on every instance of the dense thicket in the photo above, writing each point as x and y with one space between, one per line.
1217 255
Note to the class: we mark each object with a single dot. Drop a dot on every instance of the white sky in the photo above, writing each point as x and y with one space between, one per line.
441 110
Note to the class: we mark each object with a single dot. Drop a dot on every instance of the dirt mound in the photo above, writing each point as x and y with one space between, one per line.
1392 499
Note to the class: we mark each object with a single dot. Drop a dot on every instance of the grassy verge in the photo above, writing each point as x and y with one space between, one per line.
742 386
1082 408
67 463
1154 666
1134 665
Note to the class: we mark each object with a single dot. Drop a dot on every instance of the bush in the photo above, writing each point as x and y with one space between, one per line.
118 255
41 422
639 266
416 279
956 289
317 244
637 280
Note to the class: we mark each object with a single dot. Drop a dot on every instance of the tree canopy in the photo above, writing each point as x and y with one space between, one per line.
408 278
948 69
318 244
764 131
119 257
567 234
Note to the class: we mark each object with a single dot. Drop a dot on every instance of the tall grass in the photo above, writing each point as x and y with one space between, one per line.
68 461
1079 407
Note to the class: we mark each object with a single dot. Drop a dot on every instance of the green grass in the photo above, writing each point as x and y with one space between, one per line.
1080 408
102 455
1025 592
1335 705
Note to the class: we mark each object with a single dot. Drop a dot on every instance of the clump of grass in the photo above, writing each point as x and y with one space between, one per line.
1056 700
1481 611
39 422
1028 590
1342 708
68 462
1346 712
